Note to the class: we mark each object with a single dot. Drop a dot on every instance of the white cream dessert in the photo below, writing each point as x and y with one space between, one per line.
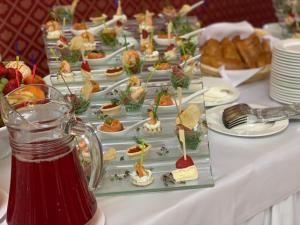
53 29
153 125
141 176
154 56
185 174
89 42
54 34
152 128
89 46
142 181
65 72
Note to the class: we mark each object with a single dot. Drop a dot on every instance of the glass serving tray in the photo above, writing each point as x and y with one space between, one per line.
165 147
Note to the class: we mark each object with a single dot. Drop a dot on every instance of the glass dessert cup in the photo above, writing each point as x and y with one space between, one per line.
132 106
63 13
45 163
183 82
192 137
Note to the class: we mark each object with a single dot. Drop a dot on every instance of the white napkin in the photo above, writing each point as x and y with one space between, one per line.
236 77
219 31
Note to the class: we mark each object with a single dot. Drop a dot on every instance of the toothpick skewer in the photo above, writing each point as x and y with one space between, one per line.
182 140
179 95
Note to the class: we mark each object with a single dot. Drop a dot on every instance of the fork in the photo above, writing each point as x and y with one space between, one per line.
243 113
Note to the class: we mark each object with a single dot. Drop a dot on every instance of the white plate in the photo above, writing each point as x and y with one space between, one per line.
214 121
291 46
221 92
3 203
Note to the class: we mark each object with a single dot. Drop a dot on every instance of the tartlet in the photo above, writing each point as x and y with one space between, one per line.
136 150
114 71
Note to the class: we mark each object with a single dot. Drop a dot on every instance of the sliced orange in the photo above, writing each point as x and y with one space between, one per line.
36 91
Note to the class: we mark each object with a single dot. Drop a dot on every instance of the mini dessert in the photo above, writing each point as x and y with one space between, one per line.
147 23
186 47
20 66
163 99
141 176
53 29
95 86
114 71
170 52
89 42
153 125
185 170
138 149
111 109
133 96
62 42
111 125
150 54
80 104
80 26
179 78
162 66
65 73
131 61
169 11
86 70
144 40
110 154
98 19
109 37
189 120
96 54
134 81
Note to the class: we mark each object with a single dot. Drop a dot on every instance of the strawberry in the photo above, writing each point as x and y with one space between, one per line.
3 70
145 34
119 23
181 163
10 86
11 74
63 39
85 66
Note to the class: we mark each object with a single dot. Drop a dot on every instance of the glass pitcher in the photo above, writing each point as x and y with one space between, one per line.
47 181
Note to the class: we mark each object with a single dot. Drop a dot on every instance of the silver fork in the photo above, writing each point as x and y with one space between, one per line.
243 113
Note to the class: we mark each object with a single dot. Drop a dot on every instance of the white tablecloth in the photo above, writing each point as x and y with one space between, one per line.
251 175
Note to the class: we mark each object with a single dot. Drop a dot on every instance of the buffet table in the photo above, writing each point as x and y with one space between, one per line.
251 175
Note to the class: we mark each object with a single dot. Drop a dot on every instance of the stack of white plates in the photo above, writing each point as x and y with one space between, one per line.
285 75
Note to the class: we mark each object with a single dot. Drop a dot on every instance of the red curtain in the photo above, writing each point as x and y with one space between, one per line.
20 21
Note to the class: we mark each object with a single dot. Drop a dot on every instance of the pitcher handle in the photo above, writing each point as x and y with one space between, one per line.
78 128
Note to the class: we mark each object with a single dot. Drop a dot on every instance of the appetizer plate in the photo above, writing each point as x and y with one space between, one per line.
219 92
159 72
215 123
164 41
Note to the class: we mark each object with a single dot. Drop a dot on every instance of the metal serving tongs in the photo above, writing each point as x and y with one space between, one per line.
243 113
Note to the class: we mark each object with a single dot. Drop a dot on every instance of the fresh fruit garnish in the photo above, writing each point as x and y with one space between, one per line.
63 39
182 163
145 34
10 86
36 91
85 66
119 23
170 47
12 73
36 80
3 70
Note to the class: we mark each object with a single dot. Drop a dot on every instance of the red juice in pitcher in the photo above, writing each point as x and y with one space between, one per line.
50 189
